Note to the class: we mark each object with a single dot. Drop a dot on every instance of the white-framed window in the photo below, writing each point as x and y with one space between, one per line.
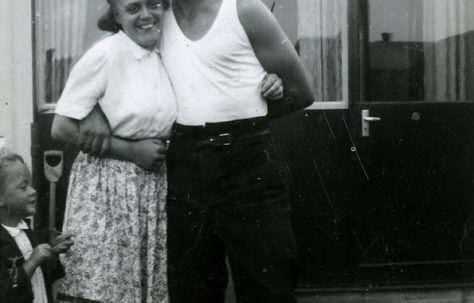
64 29
420 51
319 30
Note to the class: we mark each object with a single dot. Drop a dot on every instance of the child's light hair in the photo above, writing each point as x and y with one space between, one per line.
3 150
7 157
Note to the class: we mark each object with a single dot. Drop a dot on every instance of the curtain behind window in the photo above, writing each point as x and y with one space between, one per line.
320 45
448 30
60 32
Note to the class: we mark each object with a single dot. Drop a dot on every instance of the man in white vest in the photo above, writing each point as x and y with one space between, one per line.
228 186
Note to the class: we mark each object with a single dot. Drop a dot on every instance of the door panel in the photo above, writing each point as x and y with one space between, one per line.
413 175
315 142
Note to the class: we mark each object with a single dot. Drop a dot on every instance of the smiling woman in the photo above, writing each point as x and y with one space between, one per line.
115 201
140 20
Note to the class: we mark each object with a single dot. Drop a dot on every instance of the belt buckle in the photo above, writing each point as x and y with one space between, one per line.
224 139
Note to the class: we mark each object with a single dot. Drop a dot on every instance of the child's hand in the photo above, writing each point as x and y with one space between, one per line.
41 253
62 243
272 87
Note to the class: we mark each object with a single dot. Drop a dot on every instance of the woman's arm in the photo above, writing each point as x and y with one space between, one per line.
148 154
277 55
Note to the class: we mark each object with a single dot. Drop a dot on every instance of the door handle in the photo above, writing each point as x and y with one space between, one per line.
366 119
372 119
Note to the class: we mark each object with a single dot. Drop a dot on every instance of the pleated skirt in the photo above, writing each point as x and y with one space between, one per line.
116 211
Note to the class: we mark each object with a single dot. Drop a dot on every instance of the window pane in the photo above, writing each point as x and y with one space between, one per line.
64 30
318 29
420 50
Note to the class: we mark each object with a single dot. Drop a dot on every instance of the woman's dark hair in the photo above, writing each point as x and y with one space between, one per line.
107 21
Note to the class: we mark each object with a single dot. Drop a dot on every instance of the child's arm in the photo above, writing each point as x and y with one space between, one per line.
53 268
14 289
15 285
40 254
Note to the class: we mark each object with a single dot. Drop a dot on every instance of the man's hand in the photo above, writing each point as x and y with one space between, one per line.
95 133
272 87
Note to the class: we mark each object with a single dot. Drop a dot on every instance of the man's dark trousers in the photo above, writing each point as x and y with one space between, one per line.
228 196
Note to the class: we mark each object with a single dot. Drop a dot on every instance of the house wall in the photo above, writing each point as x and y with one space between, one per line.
16 75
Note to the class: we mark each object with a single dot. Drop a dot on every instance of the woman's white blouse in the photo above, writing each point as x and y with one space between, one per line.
129 83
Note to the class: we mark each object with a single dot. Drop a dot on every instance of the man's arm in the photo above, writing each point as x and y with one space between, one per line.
91 135
95 135
66 130
277 55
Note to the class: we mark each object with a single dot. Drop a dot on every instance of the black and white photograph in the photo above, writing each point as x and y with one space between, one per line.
237 151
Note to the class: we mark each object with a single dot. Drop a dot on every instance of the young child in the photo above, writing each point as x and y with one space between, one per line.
28 265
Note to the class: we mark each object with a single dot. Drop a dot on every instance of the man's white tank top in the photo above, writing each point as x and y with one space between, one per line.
217 77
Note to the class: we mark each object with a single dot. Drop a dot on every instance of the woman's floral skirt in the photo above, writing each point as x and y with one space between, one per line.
116 212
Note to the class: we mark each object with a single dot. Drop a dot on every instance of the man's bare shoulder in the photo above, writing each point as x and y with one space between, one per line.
250 9
253 14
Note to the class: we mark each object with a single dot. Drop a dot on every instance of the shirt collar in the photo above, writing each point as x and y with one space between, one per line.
15 231
138 52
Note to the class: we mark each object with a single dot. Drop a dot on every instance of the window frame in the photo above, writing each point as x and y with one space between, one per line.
43 107
347 61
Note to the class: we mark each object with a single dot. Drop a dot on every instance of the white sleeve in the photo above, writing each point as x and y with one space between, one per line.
85 85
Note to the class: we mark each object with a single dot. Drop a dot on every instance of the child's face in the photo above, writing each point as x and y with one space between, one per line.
16 195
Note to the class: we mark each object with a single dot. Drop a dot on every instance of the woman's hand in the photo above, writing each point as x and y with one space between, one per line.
149 154
272 87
